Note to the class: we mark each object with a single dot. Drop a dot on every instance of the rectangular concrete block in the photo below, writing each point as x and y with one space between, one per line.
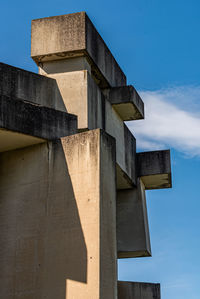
32 123
30 87
138 290
154 168
74 35
125 148
57 219
126 102
133 238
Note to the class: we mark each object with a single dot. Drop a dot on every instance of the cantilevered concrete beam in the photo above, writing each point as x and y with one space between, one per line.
30 87
154 168
138 290
126 101
132 223
23 123
74 35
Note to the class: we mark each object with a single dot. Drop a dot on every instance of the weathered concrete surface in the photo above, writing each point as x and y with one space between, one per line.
138 290
154 168
74 35
23 124
30 87
92 171
57 219
133 238
126 101
81 96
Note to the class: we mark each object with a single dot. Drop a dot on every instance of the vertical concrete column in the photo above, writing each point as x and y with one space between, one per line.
92 172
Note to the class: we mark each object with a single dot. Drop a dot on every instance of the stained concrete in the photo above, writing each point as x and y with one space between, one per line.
138 290
57 219
74 35
37 121
154 168
133 238
82 96
30 87
126 102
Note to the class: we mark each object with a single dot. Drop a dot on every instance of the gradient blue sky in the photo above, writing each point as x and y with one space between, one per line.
158 47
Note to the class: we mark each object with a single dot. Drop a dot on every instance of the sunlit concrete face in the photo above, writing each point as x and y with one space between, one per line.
58 219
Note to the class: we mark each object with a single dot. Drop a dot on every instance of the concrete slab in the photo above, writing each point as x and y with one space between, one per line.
126 102
154 168
30 87
138 290
37 122
74 35
58 219
133 238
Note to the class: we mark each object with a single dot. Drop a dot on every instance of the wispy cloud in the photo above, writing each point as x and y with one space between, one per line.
172 120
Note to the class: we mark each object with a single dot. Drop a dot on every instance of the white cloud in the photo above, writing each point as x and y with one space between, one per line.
172 120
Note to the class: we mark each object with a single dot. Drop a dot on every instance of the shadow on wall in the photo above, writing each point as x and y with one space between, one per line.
42 242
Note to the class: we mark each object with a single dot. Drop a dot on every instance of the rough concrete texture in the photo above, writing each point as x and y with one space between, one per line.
30 87
133 238
154 168
80 96
74 35
138 290
126 101
57 219
37 121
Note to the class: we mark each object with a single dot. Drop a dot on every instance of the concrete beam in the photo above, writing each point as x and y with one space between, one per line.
23 123
126 102
30 87
138 290
74 35
154 168
133 238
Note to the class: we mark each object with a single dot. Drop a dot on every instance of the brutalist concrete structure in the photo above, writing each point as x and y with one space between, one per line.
72 185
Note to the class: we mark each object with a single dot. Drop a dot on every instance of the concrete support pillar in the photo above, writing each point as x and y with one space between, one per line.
57 219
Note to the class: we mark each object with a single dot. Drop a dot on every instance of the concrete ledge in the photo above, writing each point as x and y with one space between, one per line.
138 290
30 87
133 238
36 121
126 101
74 35
154 168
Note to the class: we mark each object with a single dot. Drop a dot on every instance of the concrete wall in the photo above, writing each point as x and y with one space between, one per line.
54 237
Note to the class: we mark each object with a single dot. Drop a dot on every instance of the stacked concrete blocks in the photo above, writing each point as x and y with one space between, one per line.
71 164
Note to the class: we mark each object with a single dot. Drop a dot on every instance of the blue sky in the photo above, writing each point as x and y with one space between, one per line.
157 45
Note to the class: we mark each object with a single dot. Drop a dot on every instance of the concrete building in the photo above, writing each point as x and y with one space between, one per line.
71 182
